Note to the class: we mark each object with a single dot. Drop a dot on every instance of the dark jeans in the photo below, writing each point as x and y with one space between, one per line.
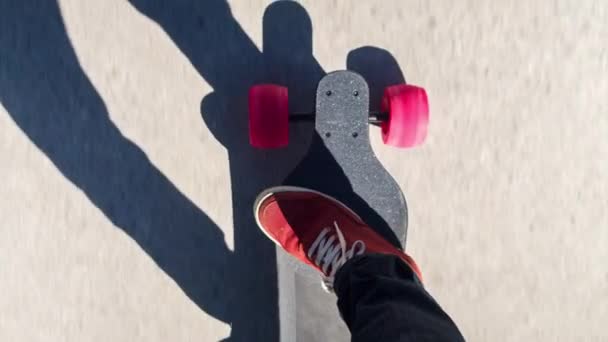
381 299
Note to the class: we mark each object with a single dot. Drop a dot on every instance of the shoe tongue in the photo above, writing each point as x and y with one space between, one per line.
314 229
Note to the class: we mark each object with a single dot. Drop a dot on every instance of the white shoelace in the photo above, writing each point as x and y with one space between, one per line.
330 253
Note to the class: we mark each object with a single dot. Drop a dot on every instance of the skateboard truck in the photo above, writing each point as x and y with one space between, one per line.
403 118
375 118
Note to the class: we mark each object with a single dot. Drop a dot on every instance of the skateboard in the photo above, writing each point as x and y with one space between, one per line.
340 162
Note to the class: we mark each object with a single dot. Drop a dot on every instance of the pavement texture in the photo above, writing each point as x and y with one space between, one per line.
126 179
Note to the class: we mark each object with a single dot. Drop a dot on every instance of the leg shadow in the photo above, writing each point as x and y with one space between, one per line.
227 59
50 98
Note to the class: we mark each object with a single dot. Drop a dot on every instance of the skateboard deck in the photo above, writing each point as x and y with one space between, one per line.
340 162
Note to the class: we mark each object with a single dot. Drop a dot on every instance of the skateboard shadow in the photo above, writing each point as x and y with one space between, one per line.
50 98
379 68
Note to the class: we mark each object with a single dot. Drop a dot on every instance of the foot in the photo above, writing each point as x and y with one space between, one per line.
319 230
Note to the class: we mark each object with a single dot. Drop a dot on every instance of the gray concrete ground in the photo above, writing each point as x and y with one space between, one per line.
125 211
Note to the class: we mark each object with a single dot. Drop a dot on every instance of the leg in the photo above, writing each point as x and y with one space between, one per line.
380 295
381 299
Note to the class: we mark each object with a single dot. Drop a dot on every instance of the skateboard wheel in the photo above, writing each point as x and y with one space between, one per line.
268 116
408 115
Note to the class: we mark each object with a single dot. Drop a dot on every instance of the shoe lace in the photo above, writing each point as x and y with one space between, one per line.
329 252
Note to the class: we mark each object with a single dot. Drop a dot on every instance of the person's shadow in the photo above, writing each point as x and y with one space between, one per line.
50 98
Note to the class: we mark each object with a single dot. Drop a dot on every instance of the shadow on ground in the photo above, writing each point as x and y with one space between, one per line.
50 98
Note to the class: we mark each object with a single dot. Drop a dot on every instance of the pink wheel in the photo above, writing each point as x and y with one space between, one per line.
408 115
268 116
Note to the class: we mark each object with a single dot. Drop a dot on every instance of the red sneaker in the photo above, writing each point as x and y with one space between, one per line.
319 230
